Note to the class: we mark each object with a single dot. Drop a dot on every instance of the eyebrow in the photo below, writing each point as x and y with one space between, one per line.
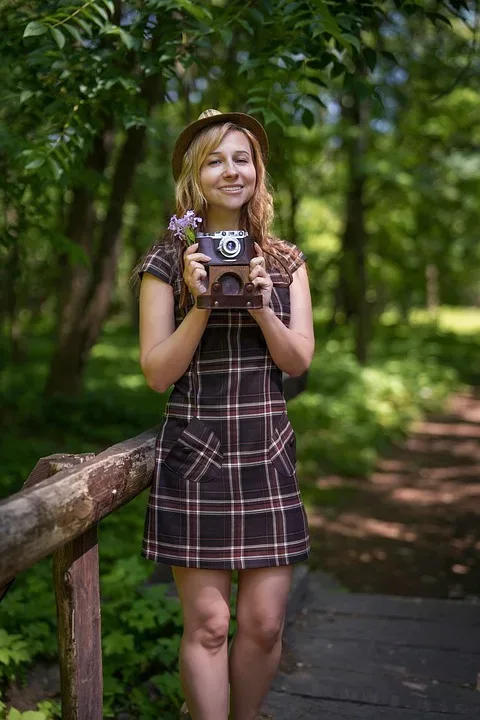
235 152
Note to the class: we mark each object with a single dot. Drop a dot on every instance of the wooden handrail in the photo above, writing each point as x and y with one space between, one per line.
37 520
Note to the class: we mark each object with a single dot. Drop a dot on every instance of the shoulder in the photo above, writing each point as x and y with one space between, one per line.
289 254
162 260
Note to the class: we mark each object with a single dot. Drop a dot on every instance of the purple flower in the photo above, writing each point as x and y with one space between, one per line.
184 227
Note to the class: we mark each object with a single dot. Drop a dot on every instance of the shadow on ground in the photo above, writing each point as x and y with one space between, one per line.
413 527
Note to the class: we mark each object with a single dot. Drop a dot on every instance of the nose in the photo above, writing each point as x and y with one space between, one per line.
230 170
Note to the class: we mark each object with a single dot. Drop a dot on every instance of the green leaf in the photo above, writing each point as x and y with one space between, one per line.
58 36
370 57
34 715
246 26
14 715
318 80
200 13
103 13
127 39
337 70
73 31
84 25
109 4
56 169
308 118
389 56
353 41
35 28
434 16
315 98
34 164
25 95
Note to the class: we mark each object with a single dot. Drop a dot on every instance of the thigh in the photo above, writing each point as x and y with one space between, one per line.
263 592
203 593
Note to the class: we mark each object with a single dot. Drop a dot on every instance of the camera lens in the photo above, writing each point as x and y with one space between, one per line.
230 247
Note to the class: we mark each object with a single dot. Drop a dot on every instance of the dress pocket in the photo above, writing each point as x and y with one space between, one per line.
282 450
196 455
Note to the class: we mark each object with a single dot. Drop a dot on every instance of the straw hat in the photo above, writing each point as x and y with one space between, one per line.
214 117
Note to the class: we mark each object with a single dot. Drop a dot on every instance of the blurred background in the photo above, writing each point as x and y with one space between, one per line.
372 110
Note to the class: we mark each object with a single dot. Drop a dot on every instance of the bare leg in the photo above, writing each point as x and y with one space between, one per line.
257 646
205 598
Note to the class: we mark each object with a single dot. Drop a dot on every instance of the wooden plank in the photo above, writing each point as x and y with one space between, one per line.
394 607
38 520
394 633
295 707
432 664
45 468
380 690
77 593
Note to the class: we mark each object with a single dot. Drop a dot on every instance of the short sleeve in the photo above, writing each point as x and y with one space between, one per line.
293 257
161 261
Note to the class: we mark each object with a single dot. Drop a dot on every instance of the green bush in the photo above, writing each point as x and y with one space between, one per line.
350 413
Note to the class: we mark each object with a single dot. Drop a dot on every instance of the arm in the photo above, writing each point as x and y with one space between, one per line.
291 348
166 353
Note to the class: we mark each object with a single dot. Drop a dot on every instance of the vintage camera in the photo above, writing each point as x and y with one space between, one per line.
228 270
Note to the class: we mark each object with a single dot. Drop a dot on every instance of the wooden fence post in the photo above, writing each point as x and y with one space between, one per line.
77 593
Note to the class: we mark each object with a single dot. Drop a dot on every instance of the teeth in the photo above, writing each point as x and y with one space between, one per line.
233 187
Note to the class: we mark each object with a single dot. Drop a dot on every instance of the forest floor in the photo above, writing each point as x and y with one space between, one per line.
413 527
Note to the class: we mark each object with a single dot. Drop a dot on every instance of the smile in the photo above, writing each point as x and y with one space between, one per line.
231 188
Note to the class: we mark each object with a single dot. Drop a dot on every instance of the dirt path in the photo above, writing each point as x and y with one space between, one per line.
413 528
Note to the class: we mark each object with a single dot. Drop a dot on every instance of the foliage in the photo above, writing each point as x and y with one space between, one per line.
349 413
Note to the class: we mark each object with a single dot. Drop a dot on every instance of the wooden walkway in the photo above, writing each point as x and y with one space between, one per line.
376 657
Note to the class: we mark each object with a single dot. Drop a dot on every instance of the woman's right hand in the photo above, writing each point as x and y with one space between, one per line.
194 273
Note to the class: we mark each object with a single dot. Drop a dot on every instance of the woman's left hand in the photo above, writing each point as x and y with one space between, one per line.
259 276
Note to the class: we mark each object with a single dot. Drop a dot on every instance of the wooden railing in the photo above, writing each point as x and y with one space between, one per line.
57 512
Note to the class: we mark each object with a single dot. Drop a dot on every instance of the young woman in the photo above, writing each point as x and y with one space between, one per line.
225 494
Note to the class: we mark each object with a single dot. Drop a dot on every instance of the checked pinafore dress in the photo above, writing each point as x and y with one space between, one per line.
224 492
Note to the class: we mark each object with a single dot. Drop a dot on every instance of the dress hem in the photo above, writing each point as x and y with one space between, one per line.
229 565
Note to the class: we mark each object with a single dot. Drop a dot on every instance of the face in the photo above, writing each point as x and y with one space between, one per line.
227 178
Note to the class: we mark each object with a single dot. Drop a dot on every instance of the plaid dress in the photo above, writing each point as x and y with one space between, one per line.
224 493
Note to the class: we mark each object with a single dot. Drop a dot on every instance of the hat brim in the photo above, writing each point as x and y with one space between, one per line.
242 119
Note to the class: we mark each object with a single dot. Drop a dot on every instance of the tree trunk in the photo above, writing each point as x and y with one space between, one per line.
431 279
352 281
76 276
90 287
293 209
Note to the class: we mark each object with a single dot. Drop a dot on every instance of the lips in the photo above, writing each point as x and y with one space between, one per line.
231 188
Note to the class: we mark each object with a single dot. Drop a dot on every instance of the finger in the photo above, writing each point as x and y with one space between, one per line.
194 265
261 282
258 249
197 257
257 261
198 274
191 249
258 271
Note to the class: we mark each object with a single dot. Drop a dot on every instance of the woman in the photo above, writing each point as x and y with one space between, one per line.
225 494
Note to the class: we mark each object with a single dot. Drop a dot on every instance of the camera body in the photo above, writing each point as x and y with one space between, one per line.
228 270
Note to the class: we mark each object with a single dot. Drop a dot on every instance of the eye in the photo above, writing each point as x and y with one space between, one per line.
213 162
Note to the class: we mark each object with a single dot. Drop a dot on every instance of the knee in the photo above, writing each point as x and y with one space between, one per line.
210 630
265 630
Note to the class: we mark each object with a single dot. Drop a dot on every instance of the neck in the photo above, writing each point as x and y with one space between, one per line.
223 221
